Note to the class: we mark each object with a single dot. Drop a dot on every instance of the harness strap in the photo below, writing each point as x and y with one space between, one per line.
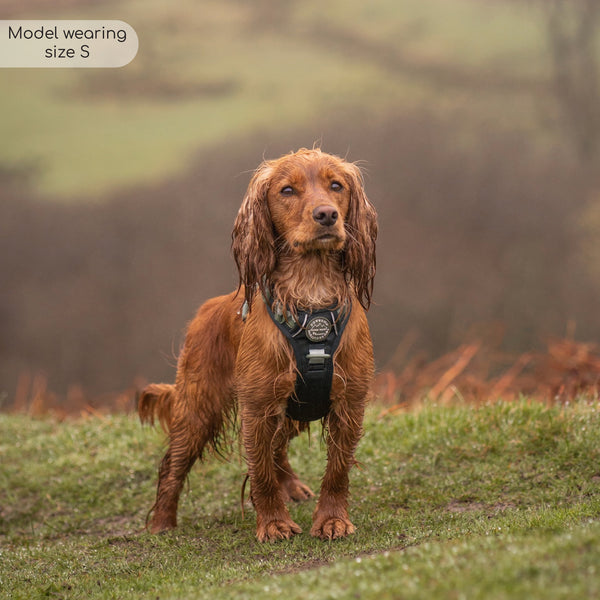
314 337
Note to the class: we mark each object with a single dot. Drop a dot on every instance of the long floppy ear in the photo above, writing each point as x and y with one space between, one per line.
253 238
361 226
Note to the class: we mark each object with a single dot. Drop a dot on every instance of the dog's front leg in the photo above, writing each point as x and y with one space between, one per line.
330 518
273 521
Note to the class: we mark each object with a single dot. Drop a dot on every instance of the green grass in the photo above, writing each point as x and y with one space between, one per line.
226 71
500 501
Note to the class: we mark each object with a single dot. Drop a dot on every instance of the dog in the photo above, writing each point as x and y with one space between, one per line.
304 244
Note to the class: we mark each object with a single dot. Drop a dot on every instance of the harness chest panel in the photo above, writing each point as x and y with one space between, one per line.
314 337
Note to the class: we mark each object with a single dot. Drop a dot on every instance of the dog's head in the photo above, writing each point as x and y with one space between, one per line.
305 202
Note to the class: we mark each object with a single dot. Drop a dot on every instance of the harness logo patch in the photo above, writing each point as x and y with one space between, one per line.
317 329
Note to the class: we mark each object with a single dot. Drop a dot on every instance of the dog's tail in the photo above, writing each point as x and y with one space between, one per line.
155 401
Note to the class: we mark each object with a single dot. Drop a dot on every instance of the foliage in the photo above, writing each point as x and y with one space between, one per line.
450 106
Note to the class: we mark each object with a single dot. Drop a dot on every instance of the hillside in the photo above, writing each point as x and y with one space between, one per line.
228 70
119 187
500 501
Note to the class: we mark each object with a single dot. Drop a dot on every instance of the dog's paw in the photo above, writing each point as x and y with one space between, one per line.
332 528
277 529
160 525
294 489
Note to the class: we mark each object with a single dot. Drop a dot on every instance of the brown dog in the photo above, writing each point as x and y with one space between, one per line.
303 241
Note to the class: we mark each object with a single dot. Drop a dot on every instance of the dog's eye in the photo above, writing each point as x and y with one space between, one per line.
336 186
287 190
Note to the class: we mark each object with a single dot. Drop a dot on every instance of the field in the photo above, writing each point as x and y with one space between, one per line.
228 70
499 501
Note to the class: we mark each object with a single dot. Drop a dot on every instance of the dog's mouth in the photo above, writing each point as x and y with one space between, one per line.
323 242
328 237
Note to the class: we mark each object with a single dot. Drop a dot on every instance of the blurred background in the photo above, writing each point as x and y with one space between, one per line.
477 124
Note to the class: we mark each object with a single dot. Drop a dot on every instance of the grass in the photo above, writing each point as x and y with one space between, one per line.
500 501
224 71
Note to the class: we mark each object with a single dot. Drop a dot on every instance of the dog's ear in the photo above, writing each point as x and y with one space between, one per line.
253 237
361 226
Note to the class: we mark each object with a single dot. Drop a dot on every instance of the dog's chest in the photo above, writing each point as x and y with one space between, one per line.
314 337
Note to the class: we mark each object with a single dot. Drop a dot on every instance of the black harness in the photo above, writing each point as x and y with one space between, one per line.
314 337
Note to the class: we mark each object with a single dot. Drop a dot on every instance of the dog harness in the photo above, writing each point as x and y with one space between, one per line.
314 337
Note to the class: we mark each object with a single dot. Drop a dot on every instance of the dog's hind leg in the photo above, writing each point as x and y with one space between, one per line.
291 486
201 405
189 434
172 472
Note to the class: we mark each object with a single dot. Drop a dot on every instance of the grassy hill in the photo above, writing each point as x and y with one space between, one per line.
222 71
500 501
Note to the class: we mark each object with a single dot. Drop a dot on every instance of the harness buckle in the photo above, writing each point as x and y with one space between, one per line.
316 357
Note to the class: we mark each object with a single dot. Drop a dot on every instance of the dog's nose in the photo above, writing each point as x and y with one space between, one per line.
325 215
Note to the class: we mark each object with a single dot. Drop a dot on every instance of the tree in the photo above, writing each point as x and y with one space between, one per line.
572 27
